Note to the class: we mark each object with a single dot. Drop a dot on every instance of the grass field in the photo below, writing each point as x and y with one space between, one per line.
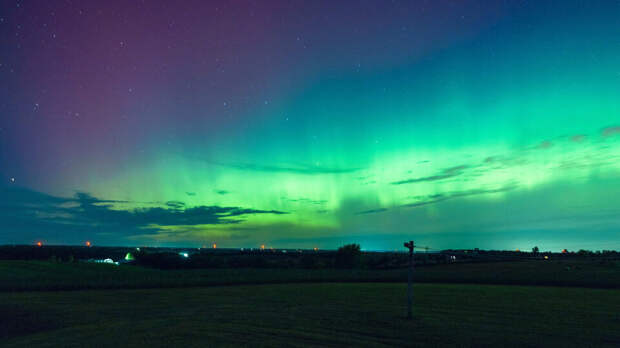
78 304
36 275
314 314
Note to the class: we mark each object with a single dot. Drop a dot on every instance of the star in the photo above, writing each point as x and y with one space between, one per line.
12 179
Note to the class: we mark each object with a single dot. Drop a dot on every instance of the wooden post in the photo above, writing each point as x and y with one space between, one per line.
410 245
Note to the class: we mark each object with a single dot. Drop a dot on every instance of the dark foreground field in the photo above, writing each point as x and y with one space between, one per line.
573 303
313 314
40 275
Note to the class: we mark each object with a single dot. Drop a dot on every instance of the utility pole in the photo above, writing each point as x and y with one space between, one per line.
410 245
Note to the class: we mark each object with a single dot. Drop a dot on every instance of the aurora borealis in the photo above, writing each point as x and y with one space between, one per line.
459 124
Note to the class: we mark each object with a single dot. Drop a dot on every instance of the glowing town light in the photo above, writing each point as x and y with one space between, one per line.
39 244
184 254
315 249
262 247
87 243
214 246
546 257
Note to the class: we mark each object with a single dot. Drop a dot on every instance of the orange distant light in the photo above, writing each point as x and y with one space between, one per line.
315 248
214 246
39 244
87 243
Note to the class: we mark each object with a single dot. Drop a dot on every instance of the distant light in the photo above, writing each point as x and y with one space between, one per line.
262 246
546 257
186 255
39 244
214 246
518 250
316 249
87 243
138 249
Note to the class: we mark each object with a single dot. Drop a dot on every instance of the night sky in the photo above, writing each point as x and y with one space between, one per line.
459 124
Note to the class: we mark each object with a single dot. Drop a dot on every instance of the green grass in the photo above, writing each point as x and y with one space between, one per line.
36 275
334 314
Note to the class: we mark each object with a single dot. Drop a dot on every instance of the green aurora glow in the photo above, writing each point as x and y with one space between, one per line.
504 137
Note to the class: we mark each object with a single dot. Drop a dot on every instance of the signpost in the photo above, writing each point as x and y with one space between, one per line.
410 245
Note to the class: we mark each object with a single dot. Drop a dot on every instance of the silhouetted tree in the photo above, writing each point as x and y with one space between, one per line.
583 252
349 256
535 250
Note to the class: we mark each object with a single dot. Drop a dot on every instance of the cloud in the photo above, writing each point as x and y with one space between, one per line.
27 211
190 193
609 131
577 138
18 196
306 200
371 211
432 199
87 197
364 177
545 144
201 215
221 192
445 174
296 169
175 204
